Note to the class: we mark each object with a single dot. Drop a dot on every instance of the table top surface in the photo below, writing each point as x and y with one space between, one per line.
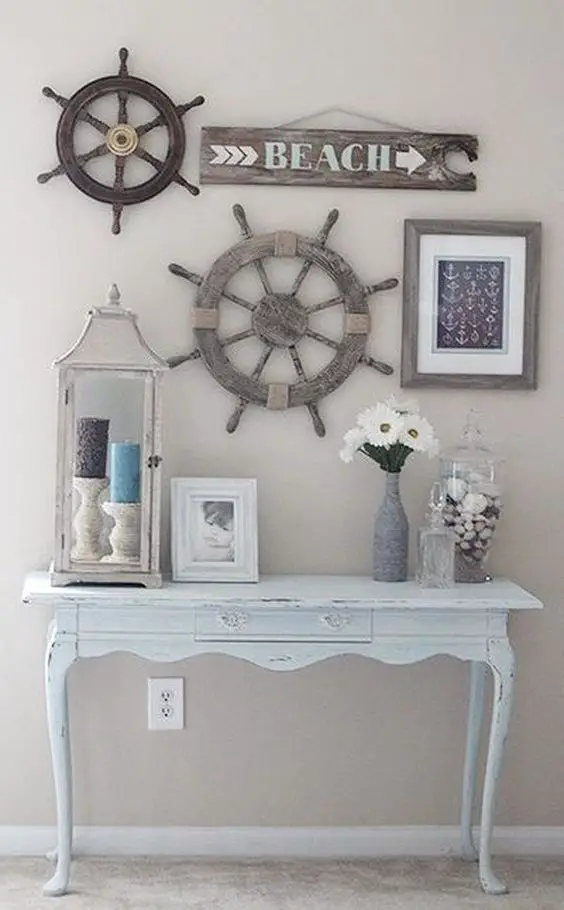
284 591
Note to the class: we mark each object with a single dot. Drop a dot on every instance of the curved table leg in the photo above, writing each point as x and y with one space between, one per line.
475 716
502 661
60 655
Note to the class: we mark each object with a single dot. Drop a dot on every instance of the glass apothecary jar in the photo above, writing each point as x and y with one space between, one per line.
471 476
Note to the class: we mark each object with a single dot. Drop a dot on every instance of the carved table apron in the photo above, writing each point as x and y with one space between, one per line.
282 623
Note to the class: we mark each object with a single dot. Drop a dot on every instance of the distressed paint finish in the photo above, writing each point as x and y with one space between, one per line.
475 715
285 623
318 157
501 659
281 320
60 655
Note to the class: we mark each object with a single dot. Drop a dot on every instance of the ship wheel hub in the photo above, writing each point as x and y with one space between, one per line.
122 140
280 320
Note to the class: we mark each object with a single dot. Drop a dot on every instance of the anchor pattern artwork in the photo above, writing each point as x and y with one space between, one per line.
470 307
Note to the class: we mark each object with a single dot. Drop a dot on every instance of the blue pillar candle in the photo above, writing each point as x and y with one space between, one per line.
125 460
91 447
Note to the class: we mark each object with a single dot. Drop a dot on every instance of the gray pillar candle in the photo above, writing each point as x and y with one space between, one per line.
91 447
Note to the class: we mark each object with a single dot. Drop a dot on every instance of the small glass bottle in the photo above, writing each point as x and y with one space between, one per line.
435 550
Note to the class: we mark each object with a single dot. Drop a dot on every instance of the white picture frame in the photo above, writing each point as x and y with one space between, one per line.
214 533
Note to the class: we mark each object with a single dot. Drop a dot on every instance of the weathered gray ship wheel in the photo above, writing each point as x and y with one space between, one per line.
280 320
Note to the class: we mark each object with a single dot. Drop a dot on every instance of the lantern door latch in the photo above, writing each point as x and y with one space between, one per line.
154 461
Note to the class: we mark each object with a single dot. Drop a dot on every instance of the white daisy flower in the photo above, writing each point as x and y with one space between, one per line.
418 434
381 424
388 432
353 440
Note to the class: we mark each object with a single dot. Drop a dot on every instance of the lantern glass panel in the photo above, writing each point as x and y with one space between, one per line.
109 483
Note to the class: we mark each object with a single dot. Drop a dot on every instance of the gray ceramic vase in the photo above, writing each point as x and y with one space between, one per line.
391 534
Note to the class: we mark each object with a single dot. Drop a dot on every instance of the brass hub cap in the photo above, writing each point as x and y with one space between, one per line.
122 139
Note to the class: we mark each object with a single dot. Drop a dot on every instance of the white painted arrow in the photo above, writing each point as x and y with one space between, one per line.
221 154
409 161
250 155
235 154
244 155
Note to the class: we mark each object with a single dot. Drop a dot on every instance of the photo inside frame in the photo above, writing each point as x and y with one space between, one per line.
213 530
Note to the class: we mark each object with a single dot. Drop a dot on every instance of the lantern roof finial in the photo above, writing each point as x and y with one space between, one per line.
114 296
111 338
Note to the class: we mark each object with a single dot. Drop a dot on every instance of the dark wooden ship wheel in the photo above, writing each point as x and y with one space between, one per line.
281 320
121 139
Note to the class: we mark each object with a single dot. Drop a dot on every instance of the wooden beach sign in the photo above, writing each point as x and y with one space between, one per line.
329 157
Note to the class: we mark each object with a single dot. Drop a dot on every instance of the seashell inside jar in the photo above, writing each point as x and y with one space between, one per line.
471 479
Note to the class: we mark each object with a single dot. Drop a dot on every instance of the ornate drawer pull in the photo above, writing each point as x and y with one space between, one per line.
234 620
335 620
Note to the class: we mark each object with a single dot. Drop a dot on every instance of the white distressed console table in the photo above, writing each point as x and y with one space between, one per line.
283 623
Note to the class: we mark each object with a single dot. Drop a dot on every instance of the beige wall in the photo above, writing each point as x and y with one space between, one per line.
351 742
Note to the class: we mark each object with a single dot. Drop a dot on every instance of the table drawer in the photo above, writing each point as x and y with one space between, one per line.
287 624
135 621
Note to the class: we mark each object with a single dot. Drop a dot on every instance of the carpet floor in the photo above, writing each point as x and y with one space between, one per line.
382 884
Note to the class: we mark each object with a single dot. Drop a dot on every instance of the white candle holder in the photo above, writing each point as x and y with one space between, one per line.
125 536
88 521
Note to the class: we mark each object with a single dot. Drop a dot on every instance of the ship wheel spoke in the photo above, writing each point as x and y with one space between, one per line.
160 120
323 339
379 365
56 172
54 96
183 358
143 128
96 152
150 159
233 421
82 114
386 285
117 207
198 280
326 304
322 240
239 336
384 368
98 124
318 424
119 172
178 178
122 96
234 298
123 55
296 360
265 281
122 107
241 219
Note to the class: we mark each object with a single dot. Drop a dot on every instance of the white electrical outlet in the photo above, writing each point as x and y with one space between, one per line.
166 703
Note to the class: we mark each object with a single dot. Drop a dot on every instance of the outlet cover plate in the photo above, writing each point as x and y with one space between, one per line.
165 703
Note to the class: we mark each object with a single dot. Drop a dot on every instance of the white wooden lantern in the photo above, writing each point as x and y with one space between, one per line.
109 453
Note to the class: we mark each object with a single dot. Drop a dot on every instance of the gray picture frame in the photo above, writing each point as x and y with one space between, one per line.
469 368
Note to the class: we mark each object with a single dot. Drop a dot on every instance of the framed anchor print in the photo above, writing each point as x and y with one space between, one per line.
470 304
